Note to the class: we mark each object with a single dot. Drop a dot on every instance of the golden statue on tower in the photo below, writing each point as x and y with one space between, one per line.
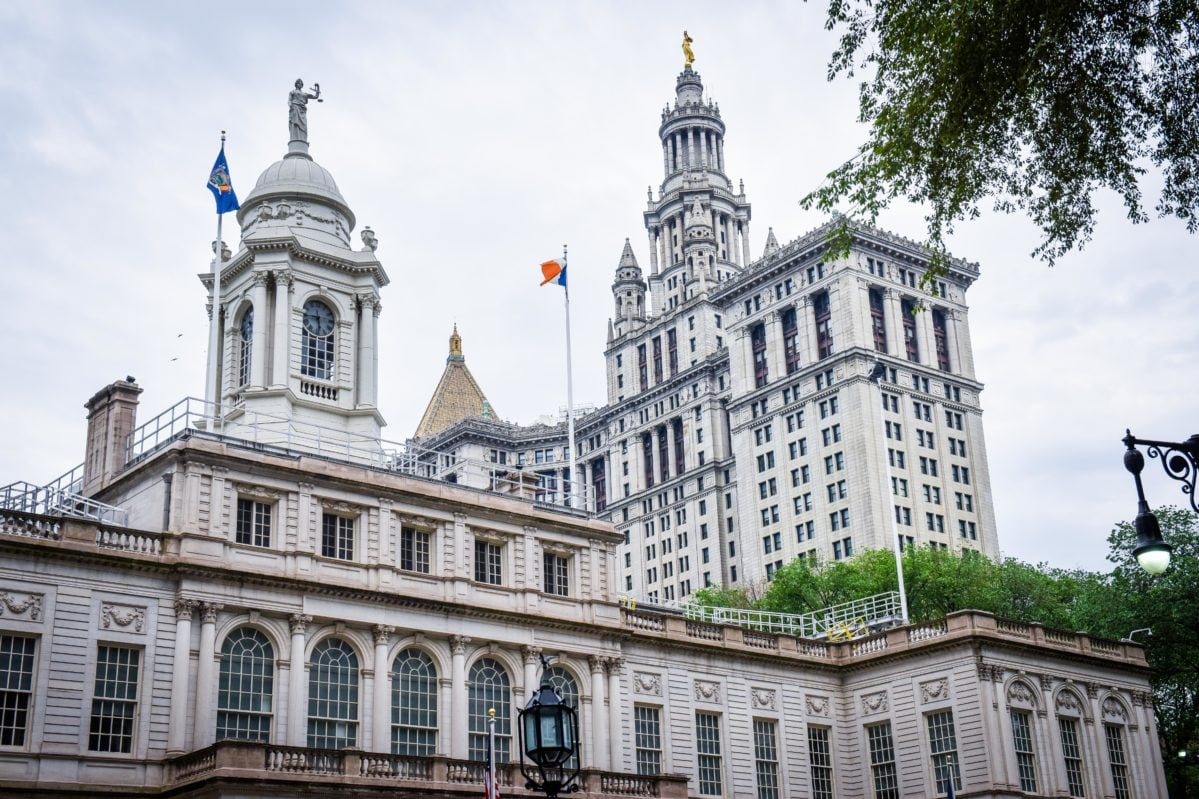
688 53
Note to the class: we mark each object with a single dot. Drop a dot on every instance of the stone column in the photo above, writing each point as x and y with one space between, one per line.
367 322
381 729
775 357
806 322
297 693
893 318
204 733
599 718
532 659
680 227
745 243
262 323
678 467
924 330
279 367
1153 753
653 251
616 759
665 159
951 340
663 232
720 152
181 676
459 723
677 139
691 155
704 156
1094 727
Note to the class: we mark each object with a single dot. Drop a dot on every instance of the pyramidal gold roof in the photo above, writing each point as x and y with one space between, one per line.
456 397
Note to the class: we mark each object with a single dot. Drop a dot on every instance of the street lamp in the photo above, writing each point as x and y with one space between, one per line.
549 737
1152 552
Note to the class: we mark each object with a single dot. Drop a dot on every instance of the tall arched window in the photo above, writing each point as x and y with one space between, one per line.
247 687
316 345
489 687
561 681
413 704
333 696
245 347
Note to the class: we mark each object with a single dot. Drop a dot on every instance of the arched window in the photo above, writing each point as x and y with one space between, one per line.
413 704
247 687
246 347
333 696
316 346
490 688
561 681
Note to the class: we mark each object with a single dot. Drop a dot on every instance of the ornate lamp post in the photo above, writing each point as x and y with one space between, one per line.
549 737
1180 460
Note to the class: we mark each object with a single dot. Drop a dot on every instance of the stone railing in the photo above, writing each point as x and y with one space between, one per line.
381 774
951 629
129 541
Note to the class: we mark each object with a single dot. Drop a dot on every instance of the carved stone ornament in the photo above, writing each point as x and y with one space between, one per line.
1067 701
874 703
340 508
21 603
383 634
114 615
257 492
458 644
615 665
1114 710
817 705
934 690
645 683
763 698
707 691
532 655
1019 692
298 622
1046 682
1092 690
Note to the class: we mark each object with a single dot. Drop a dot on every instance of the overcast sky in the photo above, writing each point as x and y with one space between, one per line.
476 138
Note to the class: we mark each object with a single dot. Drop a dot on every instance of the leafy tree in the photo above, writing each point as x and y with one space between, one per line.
1035 104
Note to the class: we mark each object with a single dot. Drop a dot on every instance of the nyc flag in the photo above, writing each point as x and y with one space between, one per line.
555 271
221 186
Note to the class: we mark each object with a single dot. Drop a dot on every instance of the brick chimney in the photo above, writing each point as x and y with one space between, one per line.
111 417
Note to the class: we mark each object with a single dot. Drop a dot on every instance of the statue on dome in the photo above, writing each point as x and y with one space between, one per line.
688 53
297 109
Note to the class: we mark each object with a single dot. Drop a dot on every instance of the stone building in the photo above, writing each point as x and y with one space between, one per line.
741 428
256 596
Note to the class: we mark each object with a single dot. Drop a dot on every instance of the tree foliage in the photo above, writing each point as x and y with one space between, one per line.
1036 104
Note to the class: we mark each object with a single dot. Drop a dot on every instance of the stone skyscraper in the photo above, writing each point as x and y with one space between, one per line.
741 428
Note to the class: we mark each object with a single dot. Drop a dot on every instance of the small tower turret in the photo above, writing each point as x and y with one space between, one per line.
628 290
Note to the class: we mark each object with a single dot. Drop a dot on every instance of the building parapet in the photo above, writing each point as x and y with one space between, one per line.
362 772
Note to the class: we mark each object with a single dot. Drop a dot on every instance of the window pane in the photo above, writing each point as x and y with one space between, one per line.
1072 754
413 704
1026 761
16 688
942 743
246 690
820 761
114 703
648 739
707 744
489 688
333 696
766 759
882 761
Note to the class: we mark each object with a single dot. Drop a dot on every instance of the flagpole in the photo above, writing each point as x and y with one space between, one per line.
570 400
214 376
492 781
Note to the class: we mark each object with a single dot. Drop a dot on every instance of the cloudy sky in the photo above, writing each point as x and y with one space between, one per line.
476 138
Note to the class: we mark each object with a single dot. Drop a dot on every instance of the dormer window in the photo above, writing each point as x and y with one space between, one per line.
316 346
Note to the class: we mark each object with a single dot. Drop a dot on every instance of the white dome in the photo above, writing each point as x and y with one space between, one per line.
297 180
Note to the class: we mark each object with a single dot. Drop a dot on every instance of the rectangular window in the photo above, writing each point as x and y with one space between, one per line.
1072 755
942 743
909 330
657 342
114 701
489 562
647 731
757 336
414 550
642 371
822 312
1026 758
253 523
672 351
820 762
877 320
16 687
556 570
790 341
940 338
882 761
1114 735
337 537
707 745
766 759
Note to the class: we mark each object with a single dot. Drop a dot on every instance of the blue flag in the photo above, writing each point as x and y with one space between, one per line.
221 185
